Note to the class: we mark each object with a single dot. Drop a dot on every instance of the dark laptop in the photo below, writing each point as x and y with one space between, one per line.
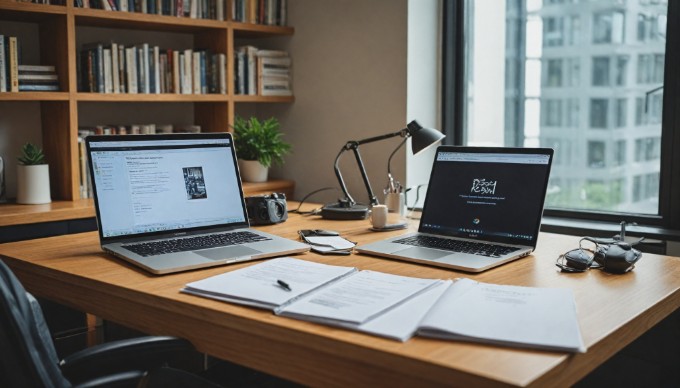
170 203
483 208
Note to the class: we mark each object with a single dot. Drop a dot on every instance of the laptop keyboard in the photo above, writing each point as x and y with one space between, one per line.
193 243
475 248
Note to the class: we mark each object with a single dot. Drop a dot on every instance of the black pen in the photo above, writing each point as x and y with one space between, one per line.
283 285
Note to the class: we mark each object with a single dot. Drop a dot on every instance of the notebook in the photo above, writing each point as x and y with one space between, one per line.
483 208
170 203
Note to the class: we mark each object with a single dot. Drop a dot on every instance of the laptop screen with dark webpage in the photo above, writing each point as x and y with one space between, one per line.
487 193
164 184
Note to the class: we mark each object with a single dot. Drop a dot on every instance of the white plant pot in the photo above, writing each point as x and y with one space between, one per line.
252 171
33 184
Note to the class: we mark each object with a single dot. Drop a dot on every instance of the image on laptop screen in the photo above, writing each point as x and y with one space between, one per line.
152 186
489 196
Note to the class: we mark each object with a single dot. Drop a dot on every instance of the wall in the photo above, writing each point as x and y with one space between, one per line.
349 71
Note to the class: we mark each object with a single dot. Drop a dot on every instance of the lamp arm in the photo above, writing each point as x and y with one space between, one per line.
372 198
339 176
401 133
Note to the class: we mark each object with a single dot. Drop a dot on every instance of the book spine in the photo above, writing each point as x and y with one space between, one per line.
122 79
156 67
3 70
222 70
196 72
187 87
108 80
13 64
176 66
115 76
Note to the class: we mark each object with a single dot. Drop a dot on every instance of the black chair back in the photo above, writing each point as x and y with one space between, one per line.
27 354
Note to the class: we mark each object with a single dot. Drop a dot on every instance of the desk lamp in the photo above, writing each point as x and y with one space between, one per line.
346 208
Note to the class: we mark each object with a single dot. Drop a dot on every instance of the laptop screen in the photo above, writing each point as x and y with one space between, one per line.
489 194
146 185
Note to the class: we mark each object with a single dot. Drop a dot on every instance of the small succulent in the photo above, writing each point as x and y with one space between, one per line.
31 155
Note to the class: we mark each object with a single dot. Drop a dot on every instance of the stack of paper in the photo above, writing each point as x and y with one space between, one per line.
398 307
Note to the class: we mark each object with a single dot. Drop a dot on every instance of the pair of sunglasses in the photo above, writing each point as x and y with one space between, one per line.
613 256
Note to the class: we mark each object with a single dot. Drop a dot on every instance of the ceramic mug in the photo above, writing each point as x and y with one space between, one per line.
378 216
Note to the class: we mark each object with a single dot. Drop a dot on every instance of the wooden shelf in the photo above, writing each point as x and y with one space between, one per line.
60 37
15 214
141 97
34 96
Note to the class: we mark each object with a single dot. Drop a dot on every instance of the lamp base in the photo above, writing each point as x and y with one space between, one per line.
344 211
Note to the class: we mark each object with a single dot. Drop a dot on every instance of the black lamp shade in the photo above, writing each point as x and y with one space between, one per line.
422 138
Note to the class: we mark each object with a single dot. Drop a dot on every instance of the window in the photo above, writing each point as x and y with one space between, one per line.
554 73
621 70
601 71
596 154
620 112
619 153
604 96
608 27
553 31
598 113
553 113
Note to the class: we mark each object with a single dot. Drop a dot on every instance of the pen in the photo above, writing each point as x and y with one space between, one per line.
283 285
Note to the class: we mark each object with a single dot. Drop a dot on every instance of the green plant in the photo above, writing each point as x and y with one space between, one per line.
31 155
259 140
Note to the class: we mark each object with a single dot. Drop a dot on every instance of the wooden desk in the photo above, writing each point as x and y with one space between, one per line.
613 310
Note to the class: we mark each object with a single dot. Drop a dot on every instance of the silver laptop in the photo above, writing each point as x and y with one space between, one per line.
483 208
170 203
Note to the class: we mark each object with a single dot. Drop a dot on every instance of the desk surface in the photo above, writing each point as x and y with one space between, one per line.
613 310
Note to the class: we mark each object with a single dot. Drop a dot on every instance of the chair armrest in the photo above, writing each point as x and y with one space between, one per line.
140 354
119 380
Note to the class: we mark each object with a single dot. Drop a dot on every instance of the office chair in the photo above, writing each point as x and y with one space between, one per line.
28 357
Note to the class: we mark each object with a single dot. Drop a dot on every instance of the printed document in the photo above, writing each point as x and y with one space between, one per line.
532 317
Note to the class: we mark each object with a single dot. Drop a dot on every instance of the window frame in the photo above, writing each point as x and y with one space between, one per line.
453 120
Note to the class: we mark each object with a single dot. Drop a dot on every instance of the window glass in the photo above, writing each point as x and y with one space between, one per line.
591 87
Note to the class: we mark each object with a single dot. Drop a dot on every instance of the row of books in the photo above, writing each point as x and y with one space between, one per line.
51 2
114 68
268 12
262 72
136 129
15 77
197 9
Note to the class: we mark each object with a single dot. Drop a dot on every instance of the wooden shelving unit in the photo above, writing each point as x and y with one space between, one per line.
58 27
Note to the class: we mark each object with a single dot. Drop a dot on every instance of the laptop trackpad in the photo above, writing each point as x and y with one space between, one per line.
227 252
421 253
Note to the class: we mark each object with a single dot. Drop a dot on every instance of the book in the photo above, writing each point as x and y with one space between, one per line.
37 77
38 88
399 307
13 73
3 64
36 69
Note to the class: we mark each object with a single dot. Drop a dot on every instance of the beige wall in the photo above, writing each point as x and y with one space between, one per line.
349 60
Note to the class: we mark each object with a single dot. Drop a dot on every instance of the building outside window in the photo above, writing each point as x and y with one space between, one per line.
586 80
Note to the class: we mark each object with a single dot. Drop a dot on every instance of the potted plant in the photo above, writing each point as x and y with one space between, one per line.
33 176
258 146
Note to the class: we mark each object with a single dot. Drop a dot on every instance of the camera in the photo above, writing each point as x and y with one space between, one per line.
266 209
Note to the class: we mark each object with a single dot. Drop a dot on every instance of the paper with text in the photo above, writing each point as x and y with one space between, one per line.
256 285
532 317
357 298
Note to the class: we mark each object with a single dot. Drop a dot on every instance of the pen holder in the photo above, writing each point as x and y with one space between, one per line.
396 203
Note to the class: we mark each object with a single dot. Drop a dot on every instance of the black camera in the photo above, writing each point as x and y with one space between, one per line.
266 209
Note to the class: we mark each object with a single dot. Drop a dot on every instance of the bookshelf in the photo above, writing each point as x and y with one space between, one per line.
57 40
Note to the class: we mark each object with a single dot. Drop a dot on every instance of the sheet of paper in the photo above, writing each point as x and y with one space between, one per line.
329 243
357 298
256 285
508 315
402 321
